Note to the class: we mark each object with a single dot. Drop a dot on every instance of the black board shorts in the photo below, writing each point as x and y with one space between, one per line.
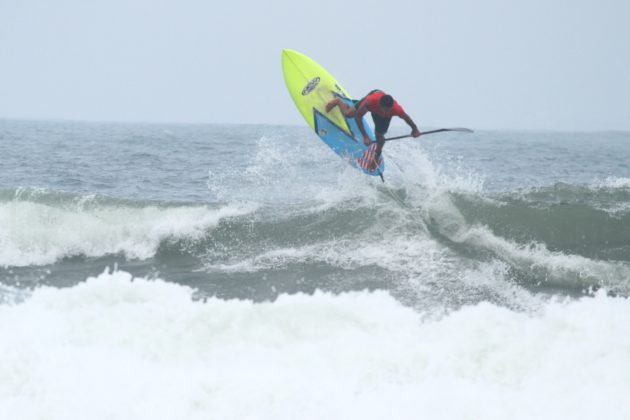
381 124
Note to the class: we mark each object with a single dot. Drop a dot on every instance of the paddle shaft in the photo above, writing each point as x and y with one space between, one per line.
441 130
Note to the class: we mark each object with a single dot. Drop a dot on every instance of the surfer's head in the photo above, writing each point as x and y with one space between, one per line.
386 102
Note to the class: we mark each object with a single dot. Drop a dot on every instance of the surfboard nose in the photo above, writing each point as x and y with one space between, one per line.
288 53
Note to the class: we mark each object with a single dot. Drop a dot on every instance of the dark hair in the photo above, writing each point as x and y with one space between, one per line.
386 101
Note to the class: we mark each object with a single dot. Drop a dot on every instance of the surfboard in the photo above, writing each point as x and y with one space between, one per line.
311 88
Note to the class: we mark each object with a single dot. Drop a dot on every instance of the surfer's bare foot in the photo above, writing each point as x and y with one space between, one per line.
330 105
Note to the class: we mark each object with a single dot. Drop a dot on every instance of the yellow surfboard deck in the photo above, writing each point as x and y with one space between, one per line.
311 87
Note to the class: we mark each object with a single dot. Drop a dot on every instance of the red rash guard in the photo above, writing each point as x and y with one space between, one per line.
372 104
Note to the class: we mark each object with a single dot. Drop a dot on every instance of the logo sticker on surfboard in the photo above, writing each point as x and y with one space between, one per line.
310 86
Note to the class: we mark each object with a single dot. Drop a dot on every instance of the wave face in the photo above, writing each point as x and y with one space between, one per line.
459 246
442 232
117 347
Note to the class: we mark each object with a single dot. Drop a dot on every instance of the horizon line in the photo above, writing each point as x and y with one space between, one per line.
147 122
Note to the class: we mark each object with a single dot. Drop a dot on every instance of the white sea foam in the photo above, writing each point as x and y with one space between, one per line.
113 348
34 233
395 254
613 182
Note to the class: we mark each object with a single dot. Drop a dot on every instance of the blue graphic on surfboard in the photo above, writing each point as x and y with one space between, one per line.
311 88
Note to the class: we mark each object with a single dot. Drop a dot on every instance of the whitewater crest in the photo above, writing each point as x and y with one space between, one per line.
39 231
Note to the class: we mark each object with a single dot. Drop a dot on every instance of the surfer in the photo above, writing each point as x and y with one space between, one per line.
382 107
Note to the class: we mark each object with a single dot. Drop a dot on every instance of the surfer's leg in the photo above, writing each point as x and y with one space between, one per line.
381 125
330 105
346 110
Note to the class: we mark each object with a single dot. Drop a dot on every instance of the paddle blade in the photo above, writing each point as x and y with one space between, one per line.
461 129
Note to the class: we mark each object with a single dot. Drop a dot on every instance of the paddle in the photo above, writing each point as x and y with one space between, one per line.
462 130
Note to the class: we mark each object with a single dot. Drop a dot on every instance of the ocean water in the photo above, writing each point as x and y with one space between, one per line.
240 271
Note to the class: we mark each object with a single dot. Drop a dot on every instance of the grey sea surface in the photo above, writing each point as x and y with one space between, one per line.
254 211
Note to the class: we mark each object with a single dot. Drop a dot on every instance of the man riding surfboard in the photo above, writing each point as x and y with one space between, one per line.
382 107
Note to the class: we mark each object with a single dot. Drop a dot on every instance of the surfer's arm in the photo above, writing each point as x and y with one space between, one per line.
359 117
414 128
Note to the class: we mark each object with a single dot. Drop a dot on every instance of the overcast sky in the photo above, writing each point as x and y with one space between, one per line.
531 64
